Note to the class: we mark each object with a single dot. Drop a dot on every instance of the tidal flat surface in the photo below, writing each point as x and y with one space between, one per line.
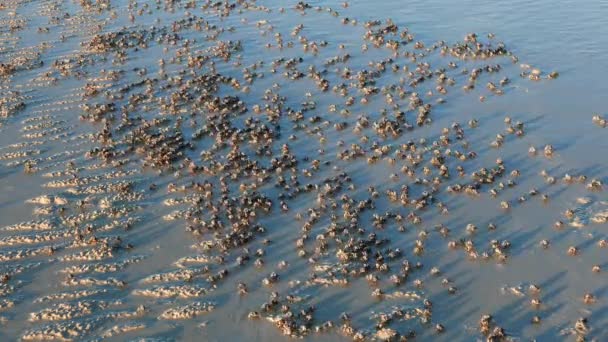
274 170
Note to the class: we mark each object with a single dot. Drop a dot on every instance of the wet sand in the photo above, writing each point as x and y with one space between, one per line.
128 183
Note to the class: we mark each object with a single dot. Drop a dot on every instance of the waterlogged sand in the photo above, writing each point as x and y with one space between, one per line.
272 170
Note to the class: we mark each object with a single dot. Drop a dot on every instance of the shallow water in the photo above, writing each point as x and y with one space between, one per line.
567 37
